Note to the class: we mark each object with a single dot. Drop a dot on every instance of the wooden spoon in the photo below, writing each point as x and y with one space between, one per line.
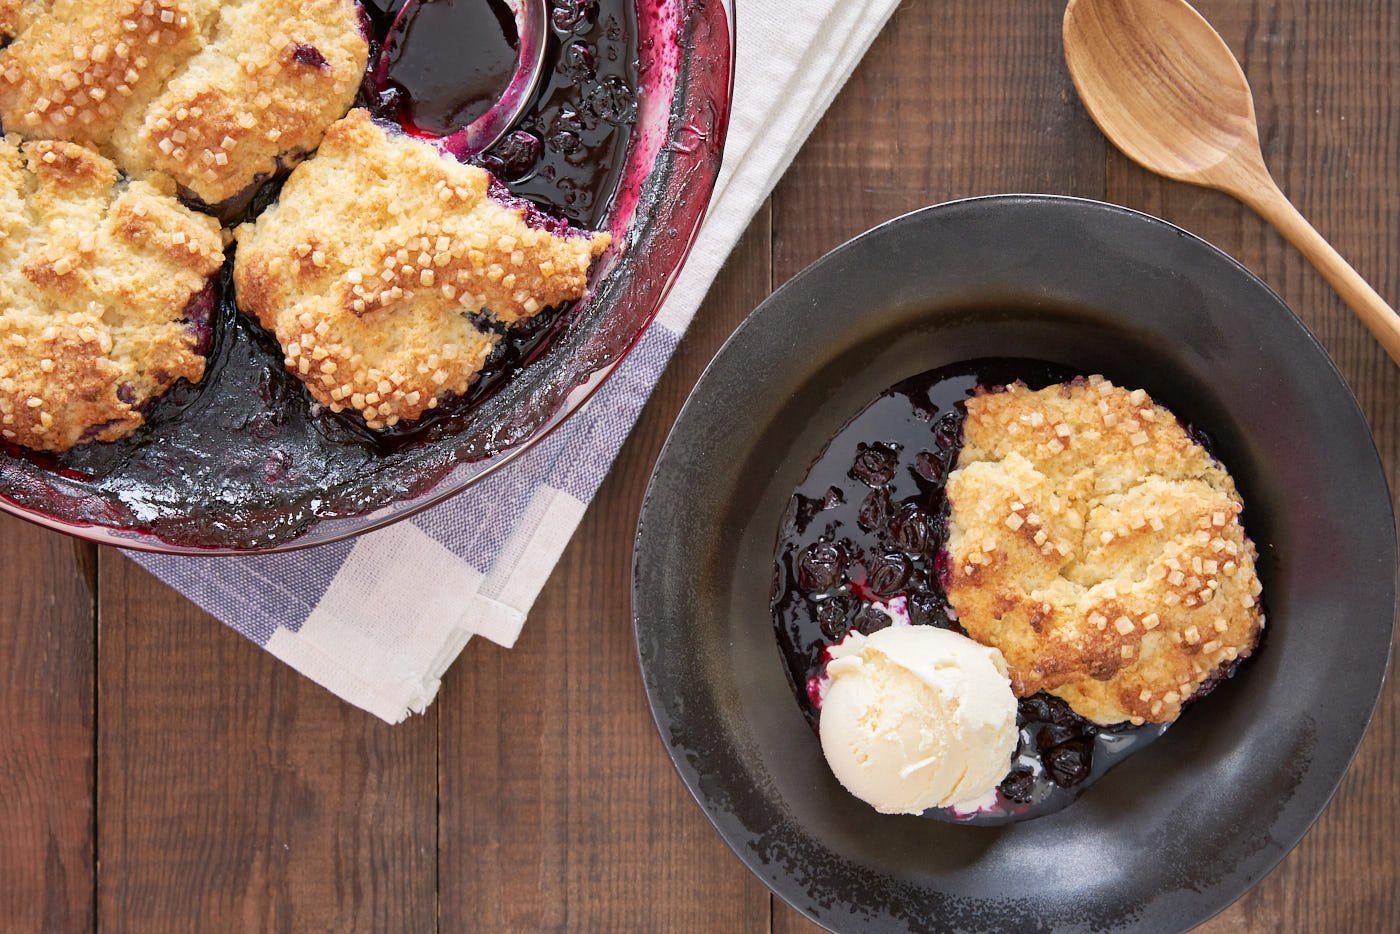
1164 88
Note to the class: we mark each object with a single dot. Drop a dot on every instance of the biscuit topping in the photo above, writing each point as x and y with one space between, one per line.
374 269
97 276
211 93
1136 583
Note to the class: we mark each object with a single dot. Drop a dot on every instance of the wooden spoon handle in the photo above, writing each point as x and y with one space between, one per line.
1273 205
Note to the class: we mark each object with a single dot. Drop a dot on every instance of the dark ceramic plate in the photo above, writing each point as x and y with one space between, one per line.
1177 832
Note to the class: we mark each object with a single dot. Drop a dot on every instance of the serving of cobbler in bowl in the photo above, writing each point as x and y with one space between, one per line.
259 289
1078 531
1045 579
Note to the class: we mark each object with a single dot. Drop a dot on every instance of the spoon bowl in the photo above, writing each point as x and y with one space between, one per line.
531 32
1120 51
1166 90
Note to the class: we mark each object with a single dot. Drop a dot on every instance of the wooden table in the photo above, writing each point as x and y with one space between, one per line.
159 773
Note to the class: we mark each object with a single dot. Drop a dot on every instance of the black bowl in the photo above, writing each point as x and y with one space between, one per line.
1177 832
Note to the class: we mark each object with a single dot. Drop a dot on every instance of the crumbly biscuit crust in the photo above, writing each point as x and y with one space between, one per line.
211 93
1100 548
16 15
375 259
96 274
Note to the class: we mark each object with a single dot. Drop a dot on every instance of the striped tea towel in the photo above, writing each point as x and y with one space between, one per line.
378 620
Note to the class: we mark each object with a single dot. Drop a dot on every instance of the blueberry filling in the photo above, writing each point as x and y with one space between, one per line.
199 317
310 56
862 547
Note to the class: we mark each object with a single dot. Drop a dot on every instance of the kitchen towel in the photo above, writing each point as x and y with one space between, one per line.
378 620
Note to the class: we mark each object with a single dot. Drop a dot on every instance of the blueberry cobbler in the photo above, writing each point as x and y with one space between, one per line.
242 245
988 594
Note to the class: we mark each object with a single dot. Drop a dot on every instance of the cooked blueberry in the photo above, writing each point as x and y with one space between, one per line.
578 62
833 498
311 57
927 610
568 119
275 467
1069 764
874 510
911 530
874 464
612 100
947 434
1047 708
1053 734
199 318
1019 786
929 467
870 620
514 157
820 566
889 573
943 568
263 426
834 617
571 14
390 102
565 141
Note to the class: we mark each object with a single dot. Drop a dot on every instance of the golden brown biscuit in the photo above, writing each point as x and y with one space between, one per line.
96 274
211 93
372 263
16 15
1099 547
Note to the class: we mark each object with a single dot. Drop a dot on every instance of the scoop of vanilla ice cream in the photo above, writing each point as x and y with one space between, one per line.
916 717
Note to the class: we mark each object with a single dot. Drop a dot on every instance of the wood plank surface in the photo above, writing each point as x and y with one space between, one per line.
560 810
173 777
953 100
46 744
235 795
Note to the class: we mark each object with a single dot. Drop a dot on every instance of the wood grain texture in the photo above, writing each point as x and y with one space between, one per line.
234 795
560 810
46 746
954 99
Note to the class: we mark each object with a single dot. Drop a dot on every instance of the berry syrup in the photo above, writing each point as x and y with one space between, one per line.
449 64
863 546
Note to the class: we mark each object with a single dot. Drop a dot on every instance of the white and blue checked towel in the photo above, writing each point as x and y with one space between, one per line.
378 620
